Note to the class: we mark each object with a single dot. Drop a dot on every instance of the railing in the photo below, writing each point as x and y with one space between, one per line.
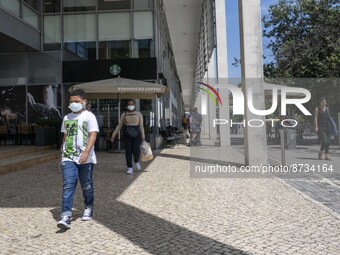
23 11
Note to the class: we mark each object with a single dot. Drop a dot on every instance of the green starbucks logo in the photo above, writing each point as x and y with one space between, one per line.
115 69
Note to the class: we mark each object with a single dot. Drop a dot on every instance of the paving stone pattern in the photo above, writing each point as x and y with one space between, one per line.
162 211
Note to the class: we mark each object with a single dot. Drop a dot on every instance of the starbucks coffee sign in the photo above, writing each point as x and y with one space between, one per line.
115 69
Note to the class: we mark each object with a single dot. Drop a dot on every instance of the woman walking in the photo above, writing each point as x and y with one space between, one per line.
323 127
133 134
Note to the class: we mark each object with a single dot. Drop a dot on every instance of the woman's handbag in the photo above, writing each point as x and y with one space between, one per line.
146 152
131 131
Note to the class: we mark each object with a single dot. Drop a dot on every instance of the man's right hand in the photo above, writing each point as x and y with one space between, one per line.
112 139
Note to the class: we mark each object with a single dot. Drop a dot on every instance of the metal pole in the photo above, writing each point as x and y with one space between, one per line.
339 127
282 141
108 115
118 120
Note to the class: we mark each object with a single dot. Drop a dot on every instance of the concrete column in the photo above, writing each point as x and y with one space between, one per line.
205 114
137 103
252 78
211 80
222 68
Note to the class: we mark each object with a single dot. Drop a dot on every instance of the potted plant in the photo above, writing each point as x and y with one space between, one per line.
48 132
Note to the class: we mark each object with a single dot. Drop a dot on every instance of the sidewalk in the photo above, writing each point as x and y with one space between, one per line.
162 210
323 186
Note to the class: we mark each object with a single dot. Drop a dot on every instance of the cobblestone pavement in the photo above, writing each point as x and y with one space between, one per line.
162 211
321 183
322 186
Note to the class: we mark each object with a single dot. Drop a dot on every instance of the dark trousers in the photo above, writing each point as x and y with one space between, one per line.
325 138
132 148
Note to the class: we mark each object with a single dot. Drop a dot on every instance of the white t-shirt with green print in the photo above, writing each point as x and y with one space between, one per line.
77 128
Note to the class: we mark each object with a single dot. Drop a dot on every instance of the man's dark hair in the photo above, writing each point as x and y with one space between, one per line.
79 93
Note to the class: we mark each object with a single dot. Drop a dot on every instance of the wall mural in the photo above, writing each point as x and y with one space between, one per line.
44 102
12 104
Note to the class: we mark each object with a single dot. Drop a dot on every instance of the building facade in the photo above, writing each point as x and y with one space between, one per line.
49 45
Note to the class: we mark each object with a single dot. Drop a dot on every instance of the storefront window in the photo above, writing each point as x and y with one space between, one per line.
79 5
145 105
146 110
51 6
108 112
114 5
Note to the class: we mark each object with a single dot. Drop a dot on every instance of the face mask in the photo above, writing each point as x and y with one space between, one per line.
131 107
76 107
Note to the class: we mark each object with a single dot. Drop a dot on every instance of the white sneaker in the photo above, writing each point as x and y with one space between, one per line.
64 223
87 214
129 171
138 167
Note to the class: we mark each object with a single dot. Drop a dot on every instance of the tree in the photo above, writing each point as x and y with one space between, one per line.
304 37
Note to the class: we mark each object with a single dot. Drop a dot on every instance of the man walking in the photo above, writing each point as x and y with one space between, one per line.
80 129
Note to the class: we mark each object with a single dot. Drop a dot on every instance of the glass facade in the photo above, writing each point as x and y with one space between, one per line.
81 30
27 10
35 4
52 6
12 6
114 5
114 49
52 32
99 35
79 5
79 36
144 48
142 4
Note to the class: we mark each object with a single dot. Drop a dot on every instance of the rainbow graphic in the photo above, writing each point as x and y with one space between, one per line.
210 93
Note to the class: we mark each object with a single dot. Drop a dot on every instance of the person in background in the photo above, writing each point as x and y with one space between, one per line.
133 134
88 107
80 129
188 122
322 124
184 122
196 117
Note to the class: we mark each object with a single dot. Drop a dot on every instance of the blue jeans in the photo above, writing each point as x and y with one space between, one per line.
71 172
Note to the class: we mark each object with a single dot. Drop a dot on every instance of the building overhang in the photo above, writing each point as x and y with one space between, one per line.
183 17
16 35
